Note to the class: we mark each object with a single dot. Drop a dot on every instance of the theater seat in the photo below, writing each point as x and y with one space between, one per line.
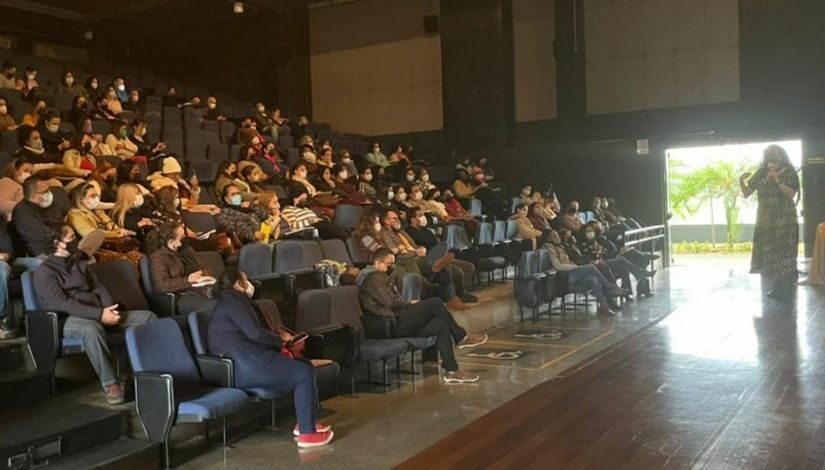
169 389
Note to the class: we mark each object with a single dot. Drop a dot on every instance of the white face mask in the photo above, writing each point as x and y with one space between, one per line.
177 202
121 87
377 227
410 178
261 109
590 235
139 200
346 160
47 201
69 81
425 177
31 76
212 105
368 177
390 194
52 128
423 220
250 289
402 197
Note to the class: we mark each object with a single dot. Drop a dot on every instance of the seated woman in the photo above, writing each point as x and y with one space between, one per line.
366 186
324 181
593 251
92 88
235 331
465 187
271 164
101 111
399 202
343 188
188 192
268 209
113 104
345 160
300 173
429 206
325 160
252 179
145 148
526 230
423 181
68 85
80 157
175 269
79 113
86 217
131 211
119 141
129 172
228 174
32 118
399 156
240 223
105 175
11 185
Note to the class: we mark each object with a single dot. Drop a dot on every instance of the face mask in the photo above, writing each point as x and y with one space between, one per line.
423 220
235 200
47 201
343 175
250 289
368 177
138 200
410 178
31 76
69 81
402 197
87 147
261 109
425 177
346 161
94 85
590 235
93 203
121 87
52 128
37 145
212 105
88 129
390 194
377 227
4 109
123 133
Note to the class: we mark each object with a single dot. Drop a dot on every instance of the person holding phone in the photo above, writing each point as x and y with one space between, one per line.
65 284
236 331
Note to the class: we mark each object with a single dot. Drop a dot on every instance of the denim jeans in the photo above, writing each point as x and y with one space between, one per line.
17 266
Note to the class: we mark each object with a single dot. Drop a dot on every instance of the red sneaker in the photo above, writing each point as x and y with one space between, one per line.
319 427
316 439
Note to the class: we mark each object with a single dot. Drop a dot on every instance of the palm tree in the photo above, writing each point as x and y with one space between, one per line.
691 190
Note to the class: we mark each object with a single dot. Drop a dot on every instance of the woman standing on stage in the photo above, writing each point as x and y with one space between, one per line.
776 235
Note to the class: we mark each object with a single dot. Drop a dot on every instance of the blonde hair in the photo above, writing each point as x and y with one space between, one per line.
126 195
265 198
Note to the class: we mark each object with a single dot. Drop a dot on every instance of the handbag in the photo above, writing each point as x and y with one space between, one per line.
293 349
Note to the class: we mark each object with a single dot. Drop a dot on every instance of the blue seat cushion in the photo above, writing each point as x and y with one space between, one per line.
416 343
374 349
70 346
213 403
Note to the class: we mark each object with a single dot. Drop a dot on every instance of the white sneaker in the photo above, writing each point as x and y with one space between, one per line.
460 377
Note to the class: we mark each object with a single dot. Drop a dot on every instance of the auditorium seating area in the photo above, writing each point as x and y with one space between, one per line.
293 267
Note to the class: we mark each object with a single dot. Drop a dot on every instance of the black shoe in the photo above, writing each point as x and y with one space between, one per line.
650 273
468 298
654 256
781 293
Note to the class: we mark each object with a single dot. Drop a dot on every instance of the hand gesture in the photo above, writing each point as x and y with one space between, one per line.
195 277
421 251
110 316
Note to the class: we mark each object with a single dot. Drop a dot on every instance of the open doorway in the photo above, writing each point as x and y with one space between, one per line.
711 223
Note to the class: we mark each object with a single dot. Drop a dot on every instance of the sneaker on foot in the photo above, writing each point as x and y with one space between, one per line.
443 262
319 427
460 377
115 394
315 439
472 340
468 298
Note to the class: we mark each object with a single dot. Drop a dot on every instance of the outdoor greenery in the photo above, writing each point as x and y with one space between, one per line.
702 248
690 190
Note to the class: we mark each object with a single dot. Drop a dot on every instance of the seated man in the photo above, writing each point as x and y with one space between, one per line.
379 296
570 220
587 276
395 239
36 219
461 271
64 284
594 251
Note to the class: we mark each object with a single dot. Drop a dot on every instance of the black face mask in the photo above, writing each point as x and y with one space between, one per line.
87 147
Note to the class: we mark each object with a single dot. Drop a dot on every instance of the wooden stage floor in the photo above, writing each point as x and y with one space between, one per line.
728 380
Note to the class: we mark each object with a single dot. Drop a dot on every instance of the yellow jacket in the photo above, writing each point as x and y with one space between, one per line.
84 221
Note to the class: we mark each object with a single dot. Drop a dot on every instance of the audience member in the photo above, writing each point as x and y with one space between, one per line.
7 122
375 158
37 219
11 185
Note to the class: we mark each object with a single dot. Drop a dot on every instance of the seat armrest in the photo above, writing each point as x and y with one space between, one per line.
164 305
155 403
378 327
217 371
43 332
336 342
